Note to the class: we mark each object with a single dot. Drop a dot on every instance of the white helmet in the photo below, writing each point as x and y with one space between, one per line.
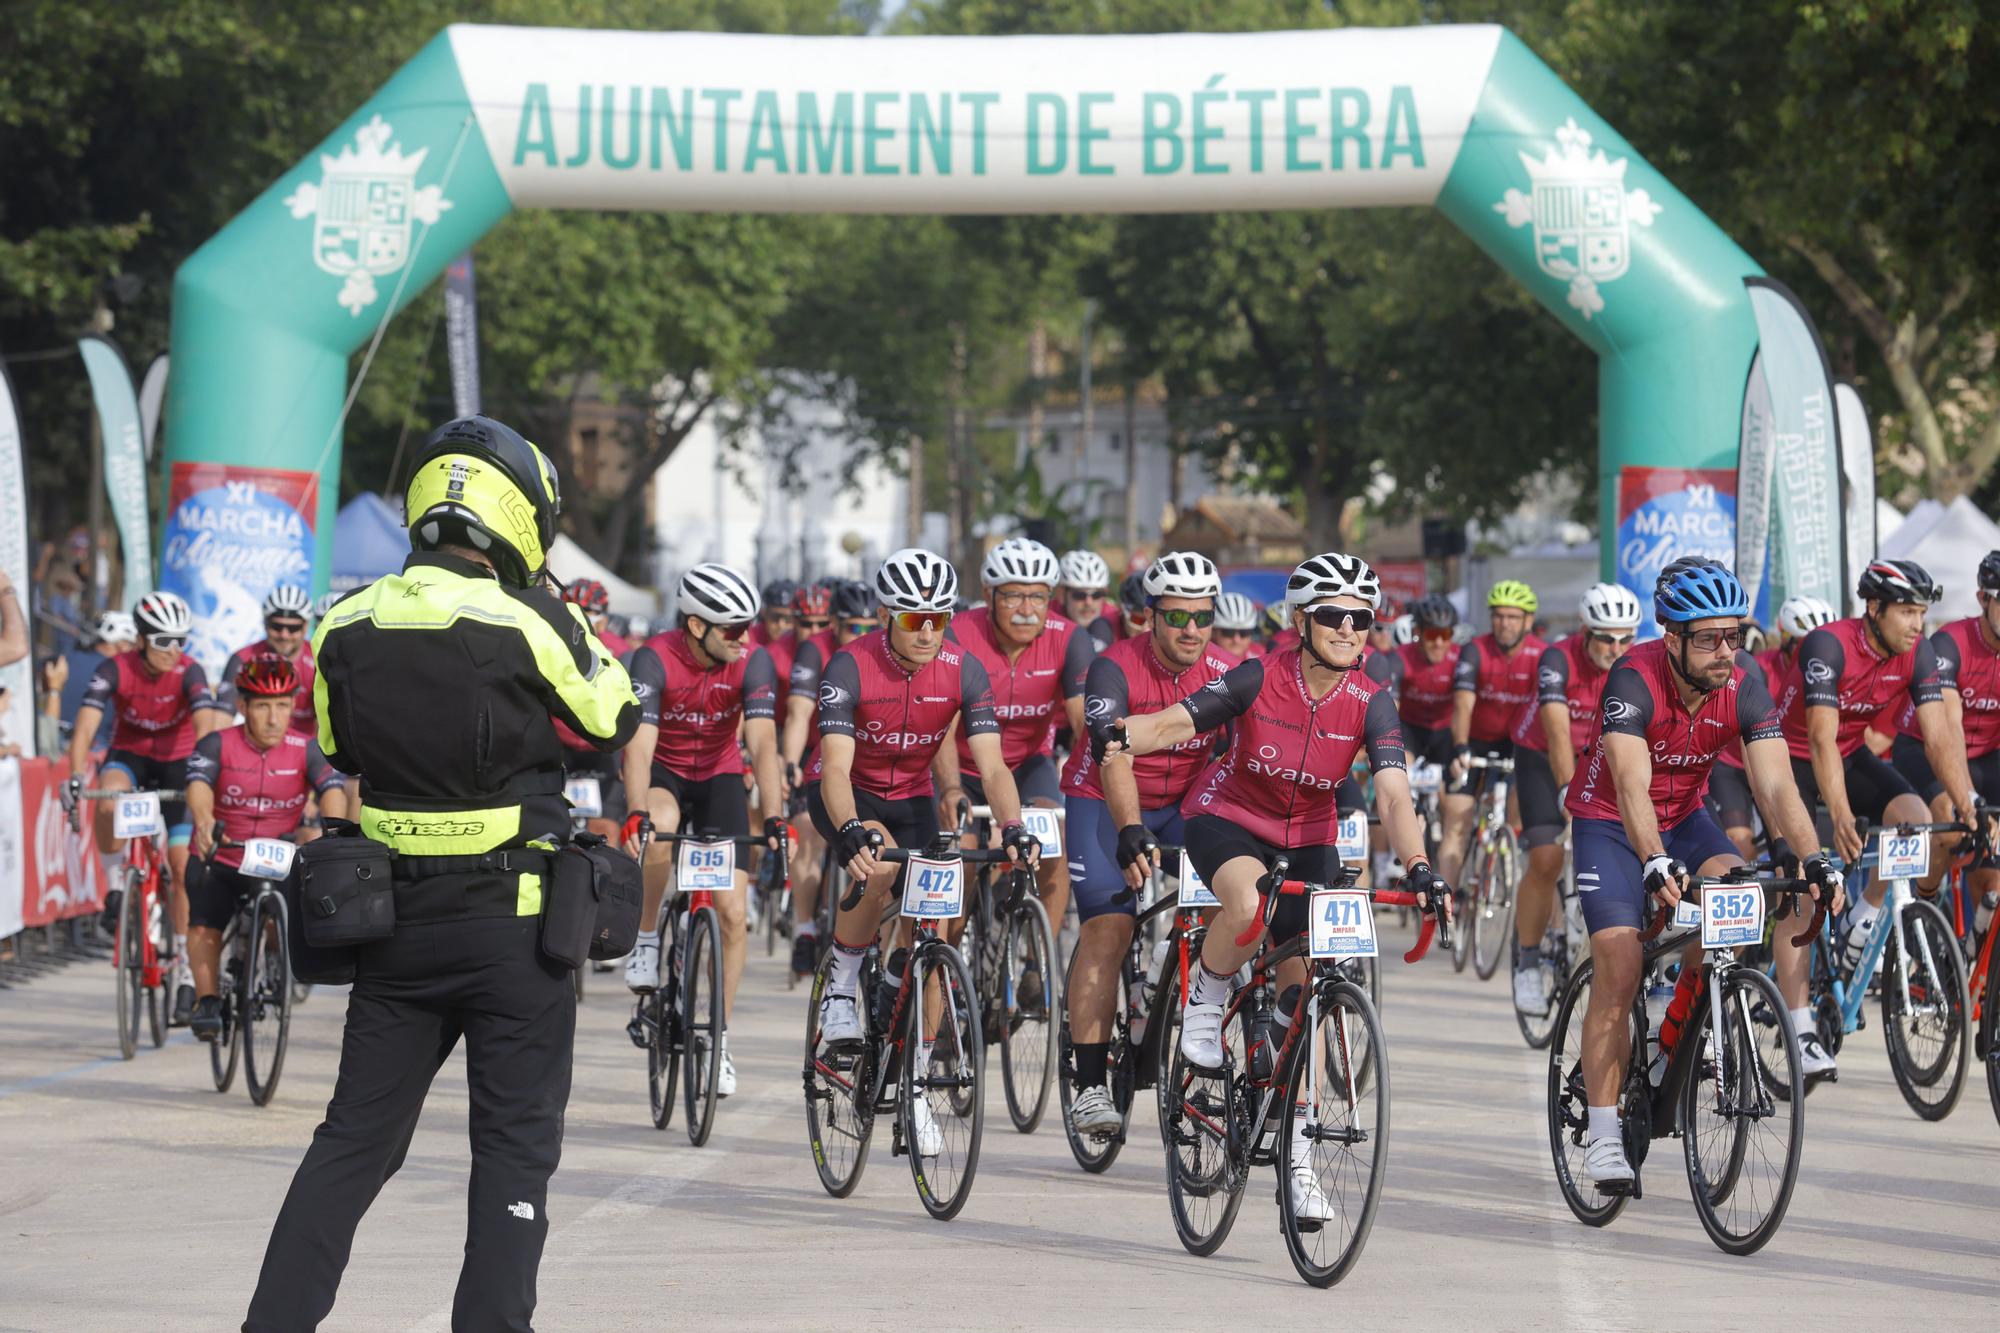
288 600
325 604
1609 606
162 613
116 627
1085 569
1235 611
1333 575
914 579
1019 560
1404 630
1800 616
719 595
1181 574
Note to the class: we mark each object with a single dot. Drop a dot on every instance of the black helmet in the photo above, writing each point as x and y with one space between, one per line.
479 483
1434 612
778 594
1989 572
853 601
1132 592
1898 581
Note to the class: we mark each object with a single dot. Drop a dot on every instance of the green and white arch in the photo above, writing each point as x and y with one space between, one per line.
486 119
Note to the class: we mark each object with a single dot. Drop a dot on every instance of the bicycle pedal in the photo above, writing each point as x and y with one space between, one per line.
1619 1189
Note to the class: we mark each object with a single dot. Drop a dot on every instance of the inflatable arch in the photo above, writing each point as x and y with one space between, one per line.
487 119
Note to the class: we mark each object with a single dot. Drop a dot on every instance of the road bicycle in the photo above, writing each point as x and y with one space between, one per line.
1732 1095
774 894
1565 944
144 947
1492 870
1010 948
256 990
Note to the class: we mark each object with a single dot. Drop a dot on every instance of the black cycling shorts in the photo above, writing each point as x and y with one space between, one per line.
1872 782
214 893
717 805
1036 782
1213 841
1915 766
1430 744
1535 783
912 821
1475 779
150 774
1348 797
1729 796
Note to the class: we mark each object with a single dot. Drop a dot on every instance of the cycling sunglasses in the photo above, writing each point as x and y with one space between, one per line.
1358 618
167 642
1435 635
814 624
1084 594
285 626
1615 640
858 627
731 632
1181 619
1708 640
912 621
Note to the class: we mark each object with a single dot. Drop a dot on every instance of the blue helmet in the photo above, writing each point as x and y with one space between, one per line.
1697 588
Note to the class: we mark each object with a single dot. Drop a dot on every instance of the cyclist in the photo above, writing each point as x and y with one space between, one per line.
1132 605
581 758
255 778
1492 684
1403 632
1278 632
1085 580
774 620
1121 808
1236 626
1301 716
1382 633
1728 789
1547 740
697 686
595 599
287 613
1420 676
1669 706
1849 672
887 702
160 704
325 605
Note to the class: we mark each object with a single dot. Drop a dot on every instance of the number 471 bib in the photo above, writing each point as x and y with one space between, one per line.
1343 925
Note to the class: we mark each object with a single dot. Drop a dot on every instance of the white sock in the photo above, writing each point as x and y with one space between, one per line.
1861 915
807 930
1604 1124
1802 1023
1301 1144
1208 988
846 975
924 1055
114 869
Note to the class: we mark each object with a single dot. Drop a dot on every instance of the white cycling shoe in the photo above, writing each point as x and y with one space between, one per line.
839 1021
1530 996
929 1138
1604 1160
1816 1063
1201 1036
1093 1112
642 969
725 1077
1309 1202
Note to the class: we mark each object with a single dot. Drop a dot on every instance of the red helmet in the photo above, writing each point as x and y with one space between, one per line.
813 599
267 676
590 595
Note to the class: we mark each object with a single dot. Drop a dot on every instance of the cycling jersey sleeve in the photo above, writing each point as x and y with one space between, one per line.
1384 669
1552 677
1946 649
1757 718
323 776
205 764
225 690
839 691
1821 661
194 689
1926 675
1752 668
1077 657
1107 696
103 687
1628 704
1465 675
1227 697
1382 732
806 665
649 681
975 699
760 686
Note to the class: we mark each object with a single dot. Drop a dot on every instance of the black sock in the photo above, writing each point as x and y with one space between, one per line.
1091 1058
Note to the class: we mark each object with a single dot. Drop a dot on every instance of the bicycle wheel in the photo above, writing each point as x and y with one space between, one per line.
1926 1039
130 971
160 998
1096 1152
1208 1145
1029 1003
1337 1130
1357 971
1740 1141
840 1098
1989 1033
936 1074
1493 910
663 1066
701 1026
267 1008
227 1047
1569 1120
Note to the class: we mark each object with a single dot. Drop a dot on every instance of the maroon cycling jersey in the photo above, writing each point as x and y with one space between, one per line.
1423 688
1276 781
1839 668
897 717
259 793
1028 692
1640 699
1127 679
1965 663
698 708
152 715
1566 675
303 720
809 659
1502 687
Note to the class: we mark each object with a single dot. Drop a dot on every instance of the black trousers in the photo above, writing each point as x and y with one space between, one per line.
414 996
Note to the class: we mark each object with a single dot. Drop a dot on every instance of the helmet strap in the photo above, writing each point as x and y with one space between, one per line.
1679 664
1306 641
1872 622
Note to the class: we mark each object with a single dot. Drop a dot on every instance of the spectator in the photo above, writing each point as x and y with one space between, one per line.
13 623
49 731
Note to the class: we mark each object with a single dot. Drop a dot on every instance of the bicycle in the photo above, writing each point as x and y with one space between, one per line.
1493 865
1717 1089
1961 905
257 972
774 891
893 1068
1335 1087
1010 948
145 943
1565 944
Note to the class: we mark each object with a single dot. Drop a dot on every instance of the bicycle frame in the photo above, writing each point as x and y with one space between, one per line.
1851 993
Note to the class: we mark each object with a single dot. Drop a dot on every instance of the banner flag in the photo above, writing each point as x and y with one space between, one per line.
152 396
461 334
19 720
1755 456
1808 555
124 459
1857 465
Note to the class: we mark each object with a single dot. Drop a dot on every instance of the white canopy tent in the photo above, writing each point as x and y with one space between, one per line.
570 562
1950 543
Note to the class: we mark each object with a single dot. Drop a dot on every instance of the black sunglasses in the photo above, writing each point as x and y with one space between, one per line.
1359 618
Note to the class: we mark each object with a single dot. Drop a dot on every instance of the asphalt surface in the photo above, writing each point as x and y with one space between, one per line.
133 1195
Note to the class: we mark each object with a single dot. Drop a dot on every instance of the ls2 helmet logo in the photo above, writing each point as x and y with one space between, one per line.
1582 215
363 208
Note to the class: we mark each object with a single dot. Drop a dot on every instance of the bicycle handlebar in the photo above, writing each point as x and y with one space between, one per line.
1789 891
945 848
1433 921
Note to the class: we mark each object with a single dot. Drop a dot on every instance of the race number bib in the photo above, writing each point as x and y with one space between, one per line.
586 796
137 816
268 858
1903 856
707 867
934 890
1343 925
1687 914
1194 893
1351 839
1041 821
1426 778
1732 917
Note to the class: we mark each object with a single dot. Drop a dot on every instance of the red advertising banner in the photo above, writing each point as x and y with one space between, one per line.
1403 581
61 873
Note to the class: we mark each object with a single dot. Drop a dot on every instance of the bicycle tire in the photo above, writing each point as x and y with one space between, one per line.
1373 974
1737 1229
663 1067
1095 1153
1493 909
1927 1048
227 1047
1989 1033
1351 1109
702 1026
840 1102
945 1184
128 975
267 994
1567 1105
1028 1040
160 998
1207 1145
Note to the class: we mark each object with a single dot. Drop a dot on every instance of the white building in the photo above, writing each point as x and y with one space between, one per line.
1095 469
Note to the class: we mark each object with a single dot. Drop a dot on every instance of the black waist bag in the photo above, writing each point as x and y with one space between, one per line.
592 909
346 895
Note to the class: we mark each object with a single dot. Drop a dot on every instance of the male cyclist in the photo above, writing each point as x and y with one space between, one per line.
287 613
1728 788
1669 707
775 619
255 778
581 758
1132 605
1085 580
1236 626
595 599
1547 740
697 684
1121 808
160 705
1419 675
1492 684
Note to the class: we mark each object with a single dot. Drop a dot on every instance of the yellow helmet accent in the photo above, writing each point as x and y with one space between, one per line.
478 493
1513 593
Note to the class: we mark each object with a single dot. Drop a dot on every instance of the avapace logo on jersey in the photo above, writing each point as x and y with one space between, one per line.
1819 672
1619 710
1676 754
1017 712
1265 764
907 740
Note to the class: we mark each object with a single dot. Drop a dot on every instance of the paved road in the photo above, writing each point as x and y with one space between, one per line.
131 1195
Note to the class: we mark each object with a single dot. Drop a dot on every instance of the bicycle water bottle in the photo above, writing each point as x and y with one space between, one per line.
1139 1007
1982 920
882 1007
1678 1008
1259 1035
